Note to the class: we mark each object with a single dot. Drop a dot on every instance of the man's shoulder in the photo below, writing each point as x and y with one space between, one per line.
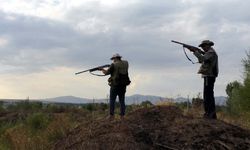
211 50
120 62
125 61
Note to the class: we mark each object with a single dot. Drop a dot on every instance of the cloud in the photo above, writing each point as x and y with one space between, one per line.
3 42
41 36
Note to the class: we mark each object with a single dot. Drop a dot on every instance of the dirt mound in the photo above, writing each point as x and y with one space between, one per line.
159 127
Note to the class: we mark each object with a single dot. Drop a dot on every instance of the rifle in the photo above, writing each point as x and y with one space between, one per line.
190 47
93 69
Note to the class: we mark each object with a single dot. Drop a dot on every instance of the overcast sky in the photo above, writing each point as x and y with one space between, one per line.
44 42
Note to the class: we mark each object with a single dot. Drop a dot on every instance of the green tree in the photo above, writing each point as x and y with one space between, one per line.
246 64
232 91
238 93
245 91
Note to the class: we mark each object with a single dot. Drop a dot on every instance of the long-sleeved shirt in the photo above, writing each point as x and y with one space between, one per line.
209 63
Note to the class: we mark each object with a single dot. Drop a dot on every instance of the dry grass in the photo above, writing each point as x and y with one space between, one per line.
242 120
22 137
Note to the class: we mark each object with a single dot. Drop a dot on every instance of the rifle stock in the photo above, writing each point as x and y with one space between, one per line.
93 69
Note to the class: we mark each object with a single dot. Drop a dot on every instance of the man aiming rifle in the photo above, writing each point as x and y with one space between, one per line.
209 70
118 81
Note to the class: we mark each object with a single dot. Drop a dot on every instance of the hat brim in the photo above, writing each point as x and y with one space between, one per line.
115 57
209 44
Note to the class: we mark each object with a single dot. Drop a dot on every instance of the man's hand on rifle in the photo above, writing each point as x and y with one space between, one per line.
103 70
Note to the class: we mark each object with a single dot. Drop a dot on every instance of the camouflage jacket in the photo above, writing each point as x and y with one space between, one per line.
209 63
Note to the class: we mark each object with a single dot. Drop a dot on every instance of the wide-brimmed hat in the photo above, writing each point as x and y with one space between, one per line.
116 56
206 42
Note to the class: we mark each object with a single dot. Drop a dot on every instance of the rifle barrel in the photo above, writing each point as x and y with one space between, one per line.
178 42
92 69
188 46
81 72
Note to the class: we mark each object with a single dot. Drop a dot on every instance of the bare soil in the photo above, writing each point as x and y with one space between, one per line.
158 127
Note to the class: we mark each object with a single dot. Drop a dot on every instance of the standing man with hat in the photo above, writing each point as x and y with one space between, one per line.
209 71
118 81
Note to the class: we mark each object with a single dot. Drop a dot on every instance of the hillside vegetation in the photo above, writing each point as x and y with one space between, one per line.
32 125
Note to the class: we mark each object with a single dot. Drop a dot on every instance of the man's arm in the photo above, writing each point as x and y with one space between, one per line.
108 71
203 58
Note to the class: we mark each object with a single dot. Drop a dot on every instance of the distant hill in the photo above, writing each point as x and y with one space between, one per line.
137 99
220 100
68 99
133 99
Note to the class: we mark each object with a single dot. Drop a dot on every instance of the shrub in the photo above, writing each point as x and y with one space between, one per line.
146 104
90 107
53 108
37 121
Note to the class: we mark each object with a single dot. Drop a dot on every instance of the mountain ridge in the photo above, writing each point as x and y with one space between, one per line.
132 99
